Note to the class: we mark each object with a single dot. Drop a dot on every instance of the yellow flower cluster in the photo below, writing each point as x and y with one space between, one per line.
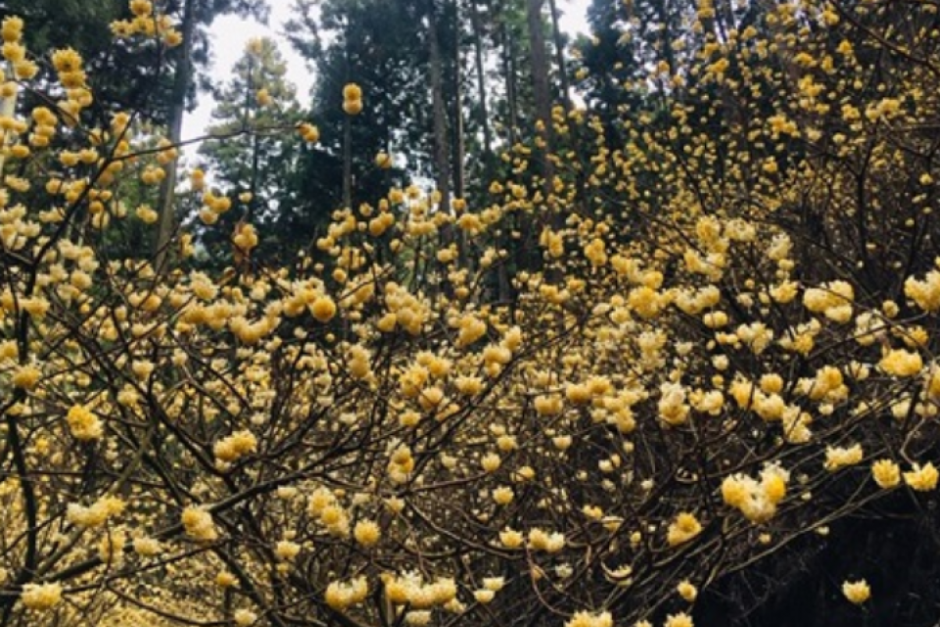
342 595
678 620
235 446
198 524
926 293
838 457
756 500
327 510
145 24
409 588
96 514
901 363
591 619
309 133
833 300
491 585
541 540
41 596
14 52
83 424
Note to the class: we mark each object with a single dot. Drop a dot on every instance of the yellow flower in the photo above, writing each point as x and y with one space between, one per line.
687 590
494 583
14 52
734 491
323 308
510 538
141 8
926 293
146 214
12 29
341 595
490 462
237 445
901 363
147 547
26 377
856 591
678 620
683 529
244 618
352 107
83 424
287 550
199 525
645 301
66 61
590 619
367 532
887 474
922 478
352 91
41 596
503 495
839 457
383 160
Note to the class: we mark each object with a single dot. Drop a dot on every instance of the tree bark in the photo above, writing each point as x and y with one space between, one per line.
347 135
181 81
560 56
441 144
459 148
541 89
484 117
509 72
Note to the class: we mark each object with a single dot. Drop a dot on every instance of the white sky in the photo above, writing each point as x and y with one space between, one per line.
230 35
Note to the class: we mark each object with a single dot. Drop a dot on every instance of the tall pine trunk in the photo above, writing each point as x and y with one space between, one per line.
484 117
541 90
509 72
441 143
181 81
459 147
559 54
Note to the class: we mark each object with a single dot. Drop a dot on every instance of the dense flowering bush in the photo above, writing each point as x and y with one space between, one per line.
692 379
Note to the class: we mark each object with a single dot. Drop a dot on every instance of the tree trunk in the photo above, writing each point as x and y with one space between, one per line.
484 117
509 71
181 81
250 91
441 144
347 135
459 149
542 90
560 56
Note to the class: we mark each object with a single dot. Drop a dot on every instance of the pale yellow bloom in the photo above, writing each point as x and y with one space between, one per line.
886 473
856 591
922 478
